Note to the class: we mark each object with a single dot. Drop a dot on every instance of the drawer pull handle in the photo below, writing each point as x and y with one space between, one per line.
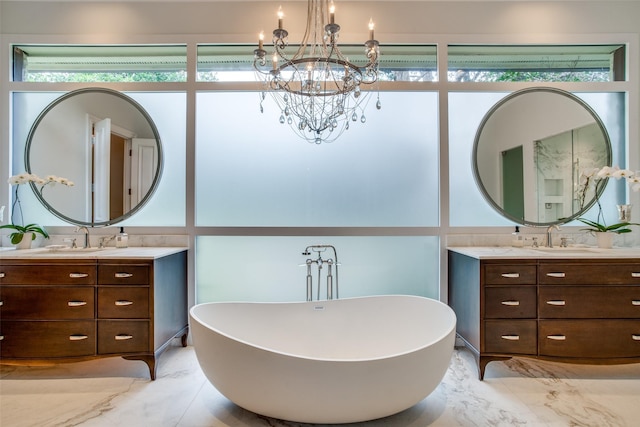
510 337
1 275
511 275
556 302
123 337
76 303
77 337
2 303
123 275
557 337
556 274
510 303
635 337
1 337
121 303
635 274
78 275
634 302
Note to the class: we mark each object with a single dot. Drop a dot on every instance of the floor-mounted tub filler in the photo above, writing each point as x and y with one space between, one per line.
335 361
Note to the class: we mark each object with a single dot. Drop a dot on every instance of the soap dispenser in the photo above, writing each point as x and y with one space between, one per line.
517 240
122 239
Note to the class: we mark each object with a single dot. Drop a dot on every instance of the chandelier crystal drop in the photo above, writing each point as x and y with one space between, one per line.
317 89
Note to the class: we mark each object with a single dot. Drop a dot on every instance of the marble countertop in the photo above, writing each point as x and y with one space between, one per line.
91 253
571 252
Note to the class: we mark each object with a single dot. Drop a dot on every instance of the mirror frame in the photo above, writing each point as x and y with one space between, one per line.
156 178
487 117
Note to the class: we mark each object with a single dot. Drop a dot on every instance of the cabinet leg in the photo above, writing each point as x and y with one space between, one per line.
149 360
183 338
484 360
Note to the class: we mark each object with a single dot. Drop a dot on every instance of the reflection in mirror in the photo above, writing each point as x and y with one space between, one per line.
529 152
105 143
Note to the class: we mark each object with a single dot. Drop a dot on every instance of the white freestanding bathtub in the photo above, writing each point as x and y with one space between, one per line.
337 361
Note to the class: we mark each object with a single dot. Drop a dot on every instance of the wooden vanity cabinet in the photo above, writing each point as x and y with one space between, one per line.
589 310
56 310
570 310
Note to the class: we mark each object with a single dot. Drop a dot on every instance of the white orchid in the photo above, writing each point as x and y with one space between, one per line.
25 178
634 182
622 173
52 179
607 172
598 177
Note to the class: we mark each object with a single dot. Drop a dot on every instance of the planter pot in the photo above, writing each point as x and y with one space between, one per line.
27 239
605 240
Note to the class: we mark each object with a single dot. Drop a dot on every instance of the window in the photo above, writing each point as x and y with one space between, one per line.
409 63
542 63
252 171
65 63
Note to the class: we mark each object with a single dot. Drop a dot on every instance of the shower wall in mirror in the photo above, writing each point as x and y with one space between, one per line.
575 150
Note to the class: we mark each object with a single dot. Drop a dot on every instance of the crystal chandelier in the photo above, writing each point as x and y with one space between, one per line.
317 89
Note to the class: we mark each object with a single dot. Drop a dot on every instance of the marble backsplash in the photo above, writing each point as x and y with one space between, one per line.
574 237
135 240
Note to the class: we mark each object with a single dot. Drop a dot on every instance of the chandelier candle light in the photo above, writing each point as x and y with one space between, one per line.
317 89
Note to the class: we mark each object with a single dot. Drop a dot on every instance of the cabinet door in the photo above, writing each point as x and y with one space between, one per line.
47 302
599 339
40 339
595 302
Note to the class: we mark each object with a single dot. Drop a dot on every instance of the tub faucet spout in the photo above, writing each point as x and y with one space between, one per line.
320 262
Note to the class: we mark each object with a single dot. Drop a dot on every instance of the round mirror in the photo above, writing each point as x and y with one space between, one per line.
530 150
106 144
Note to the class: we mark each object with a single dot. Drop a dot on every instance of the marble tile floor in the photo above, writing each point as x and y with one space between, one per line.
115 392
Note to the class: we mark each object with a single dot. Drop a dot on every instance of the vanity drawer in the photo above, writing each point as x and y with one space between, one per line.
510 336
47 302
510 302
123 302
123 336
589 274
504 274
49 274
40 339
599 302
590 338
123 274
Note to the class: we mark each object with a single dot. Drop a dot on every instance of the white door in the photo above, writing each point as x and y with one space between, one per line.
144 160
101 169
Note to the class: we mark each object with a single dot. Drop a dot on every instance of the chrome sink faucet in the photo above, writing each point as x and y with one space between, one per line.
550 236
85 230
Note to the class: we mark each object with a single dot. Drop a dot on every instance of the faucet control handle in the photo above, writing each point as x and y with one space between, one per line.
564 242
72 241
